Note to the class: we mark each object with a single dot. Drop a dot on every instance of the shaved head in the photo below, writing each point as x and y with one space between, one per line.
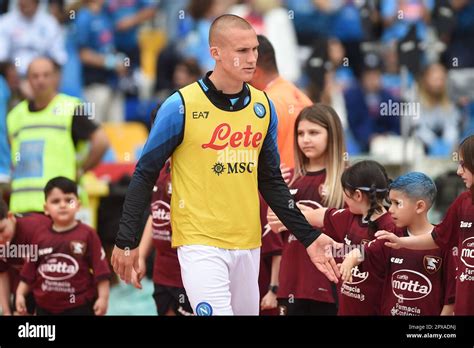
222 24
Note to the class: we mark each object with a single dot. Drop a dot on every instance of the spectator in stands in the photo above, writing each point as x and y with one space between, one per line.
186 72
286 97
353 23
27 33
363 104
438 124
102 64
172 11
392 79
270 19
399 15
44 133
127 17
340 64
4 148
195 43
10 74
312 18
459 53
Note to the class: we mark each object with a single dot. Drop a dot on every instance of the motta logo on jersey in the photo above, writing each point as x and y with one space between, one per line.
161 214
58 267
410 285
467 252
236 150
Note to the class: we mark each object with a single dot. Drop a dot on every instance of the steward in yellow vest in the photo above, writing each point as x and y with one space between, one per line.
44 133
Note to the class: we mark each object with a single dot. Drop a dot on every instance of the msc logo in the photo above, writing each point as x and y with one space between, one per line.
203 309
233 168
200 114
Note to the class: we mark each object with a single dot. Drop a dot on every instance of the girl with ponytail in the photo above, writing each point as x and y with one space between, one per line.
365 186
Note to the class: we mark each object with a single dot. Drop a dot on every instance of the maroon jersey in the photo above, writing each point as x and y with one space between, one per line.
69 266
457 230
272 245
417 282
298 275
166 269
361 296
25 229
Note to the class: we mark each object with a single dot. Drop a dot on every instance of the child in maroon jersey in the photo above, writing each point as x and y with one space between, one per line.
71 275
365 187
319 163
270 260
416 282
169 295
456 230
270 257
16 232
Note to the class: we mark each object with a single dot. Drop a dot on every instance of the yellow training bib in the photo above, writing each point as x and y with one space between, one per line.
214 172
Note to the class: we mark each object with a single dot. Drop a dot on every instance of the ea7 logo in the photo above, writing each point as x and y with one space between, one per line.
200 114
465 224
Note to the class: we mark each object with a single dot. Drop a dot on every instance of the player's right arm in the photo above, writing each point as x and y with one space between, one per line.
166 134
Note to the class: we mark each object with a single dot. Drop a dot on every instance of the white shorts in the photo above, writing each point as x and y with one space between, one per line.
220 281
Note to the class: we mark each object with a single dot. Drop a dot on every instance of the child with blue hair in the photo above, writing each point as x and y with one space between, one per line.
417 282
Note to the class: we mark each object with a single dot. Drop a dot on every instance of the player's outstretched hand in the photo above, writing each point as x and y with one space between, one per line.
123 260
393 241
320 253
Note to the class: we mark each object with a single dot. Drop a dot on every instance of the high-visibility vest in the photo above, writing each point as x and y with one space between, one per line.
41 148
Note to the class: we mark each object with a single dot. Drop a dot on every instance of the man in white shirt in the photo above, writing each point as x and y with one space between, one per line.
28 32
